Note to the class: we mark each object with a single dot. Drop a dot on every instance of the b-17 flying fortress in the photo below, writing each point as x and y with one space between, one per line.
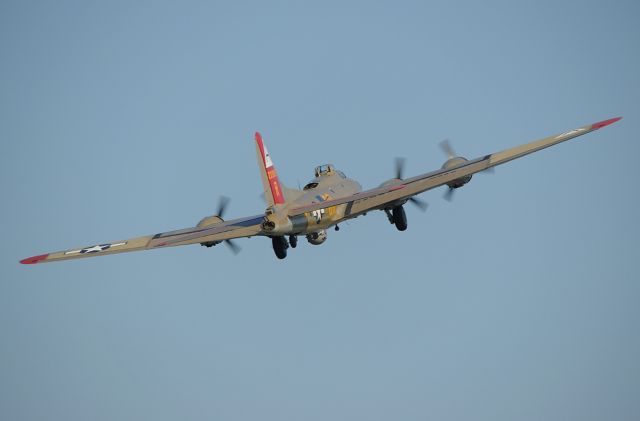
327 200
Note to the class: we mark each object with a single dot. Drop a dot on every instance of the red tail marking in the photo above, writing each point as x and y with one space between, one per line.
272 175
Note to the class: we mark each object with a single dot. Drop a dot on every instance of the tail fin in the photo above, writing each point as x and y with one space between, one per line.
273 190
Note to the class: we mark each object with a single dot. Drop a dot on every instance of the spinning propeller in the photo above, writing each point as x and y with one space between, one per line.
420 204
223 202
446 147
453 159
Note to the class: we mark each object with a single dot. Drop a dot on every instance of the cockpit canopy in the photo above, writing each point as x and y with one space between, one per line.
325 169
322 171
328 169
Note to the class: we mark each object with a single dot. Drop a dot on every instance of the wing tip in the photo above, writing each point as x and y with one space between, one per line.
258 137
34 259
604 123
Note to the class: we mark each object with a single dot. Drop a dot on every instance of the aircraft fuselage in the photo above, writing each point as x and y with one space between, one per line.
328 185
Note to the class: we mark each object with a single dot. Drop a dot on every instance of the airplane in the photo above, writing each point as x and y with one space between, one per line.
329 199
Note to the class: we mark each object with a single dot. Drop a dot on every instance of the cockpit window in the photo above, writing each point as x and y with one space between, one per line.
323 170
310 186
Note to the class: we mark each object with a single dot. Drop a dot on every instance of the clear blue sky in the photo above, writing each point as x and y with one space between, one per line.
518 301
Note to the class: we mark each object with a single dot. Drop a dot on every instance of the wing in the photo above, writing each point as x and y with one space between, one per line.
243 227
382 197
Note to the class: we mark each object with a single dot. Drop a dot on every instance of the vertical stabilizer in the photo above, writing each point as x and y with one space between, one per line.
273 190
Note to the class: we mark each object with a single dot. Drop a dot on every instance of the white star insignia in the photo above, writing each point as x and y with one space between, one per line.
95 249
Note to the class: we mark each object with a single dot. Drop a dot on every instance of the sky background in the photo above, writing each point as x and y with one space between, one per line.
518 301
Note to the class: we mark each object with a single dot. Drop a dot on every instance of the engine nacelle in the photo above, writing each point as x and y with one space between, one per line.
391 182
317 238
209 220
454 162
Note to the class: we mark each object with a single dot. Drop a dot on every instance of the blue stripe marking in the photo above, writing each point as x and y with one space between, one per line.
248 222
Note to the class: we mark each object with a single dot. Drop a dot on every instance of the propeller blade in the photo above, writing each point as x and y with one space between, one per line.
420 204
222 205
447 149
235 249
400 167
448 195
